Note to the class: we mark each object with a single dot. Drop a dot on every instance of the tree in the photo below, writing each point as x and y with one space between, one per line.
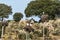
56 0
17 16
37 7
5 11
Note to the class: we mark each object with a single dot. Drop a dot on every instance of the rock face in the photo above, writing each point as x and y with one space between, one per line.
15 30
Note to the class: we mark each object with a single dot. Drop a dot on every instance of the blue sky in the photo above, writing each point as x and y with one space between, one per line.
17 6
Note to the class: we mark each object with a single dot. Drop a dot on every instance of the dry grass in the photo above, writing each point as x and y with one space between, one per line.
13 30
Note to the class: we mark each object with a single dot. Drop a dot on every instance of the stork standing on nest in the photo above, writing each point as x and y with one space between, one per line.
44 17
4 24
28 27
